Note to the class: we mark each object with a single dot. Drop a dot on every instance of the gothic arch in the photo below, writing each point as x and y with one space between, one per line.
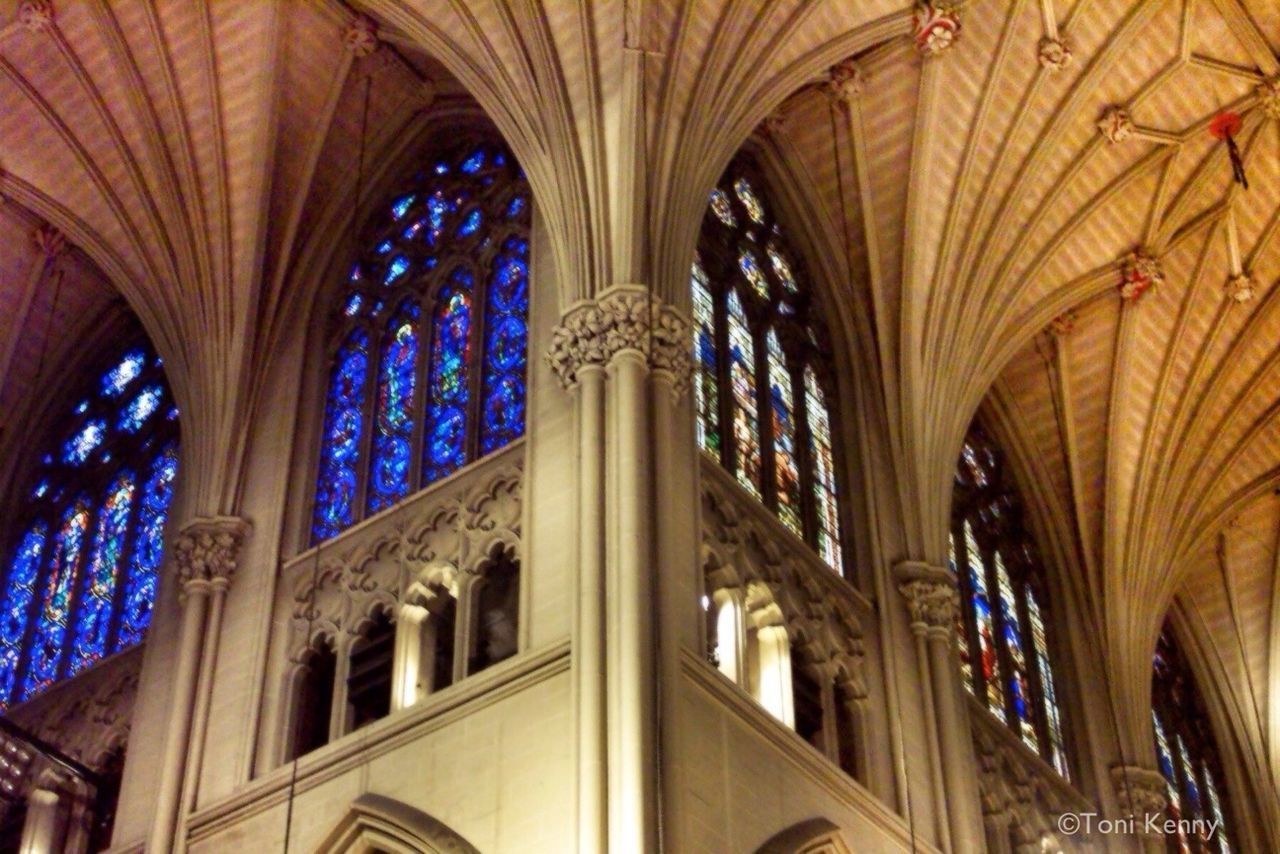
377 823
813 836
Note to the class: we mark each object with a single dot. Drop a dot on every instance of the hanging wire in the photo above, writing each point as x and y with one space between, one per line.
315 563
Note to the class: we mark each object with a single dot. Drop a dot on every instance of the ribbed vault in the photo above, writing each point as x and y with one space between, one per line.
202 155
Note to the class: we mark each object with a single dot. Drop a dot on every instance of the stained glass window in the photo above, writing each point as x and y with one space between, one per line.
742 383
431 337
786 465
393 422
77 549
763 383
1187 754
1003 622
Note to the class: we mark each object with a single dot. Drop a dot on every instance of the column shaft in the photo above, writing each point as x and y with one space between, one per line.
589 643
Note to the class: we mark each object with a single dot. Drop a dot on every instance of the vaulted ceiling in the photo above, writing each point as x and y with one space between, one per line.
202 155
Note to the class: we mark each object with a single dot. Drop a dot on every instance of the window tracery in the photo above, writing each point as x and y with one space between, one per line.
762 390
82 574
1003 642
1187 755
428 371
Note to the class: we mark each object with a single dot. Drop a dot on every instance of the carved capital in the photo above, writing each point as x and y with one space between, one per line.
1116 125
1268 92
1240 288
845 81
207 551
360 37
36 15
49 241
671 348
931 596
1140 791
1054 53
1139 272
936 26
624 318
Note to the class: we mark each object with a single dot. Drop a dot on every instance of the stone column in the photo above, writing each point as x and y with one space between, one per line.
206 551
1141 792
45 828
603 352
932 600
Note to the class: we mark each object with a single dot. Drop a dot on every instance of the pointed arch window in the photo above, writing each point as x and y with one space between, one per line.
430 339
84 560
1187 755
762 386
1002 635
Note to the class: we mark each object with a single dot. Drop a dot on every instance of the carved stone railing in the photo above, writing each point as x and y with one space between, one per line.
1022 795
446 533
89 716
740 533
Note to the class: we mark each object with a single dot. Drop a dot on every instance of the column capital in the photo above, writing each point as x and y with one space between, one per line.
1140 791
624 318
931 596
207 551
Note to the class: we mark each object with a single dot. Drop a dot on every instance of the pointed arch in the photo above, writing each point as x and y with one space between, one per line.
376 823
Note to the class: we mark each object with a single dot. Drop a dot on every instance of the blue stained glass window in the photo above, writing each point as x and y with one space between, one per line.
436 376
505 347
119 377
447 395
62 572
343 427
470 224
99 588
148 549
141 408
14 620
78 448
398 267
393 419
401 207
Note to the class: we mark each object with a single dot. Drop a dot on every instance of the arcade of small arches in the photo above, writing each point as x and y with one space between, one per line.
471 538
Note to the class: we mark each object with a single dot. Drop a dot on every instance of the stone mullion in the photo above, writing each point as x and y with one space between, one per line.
475 370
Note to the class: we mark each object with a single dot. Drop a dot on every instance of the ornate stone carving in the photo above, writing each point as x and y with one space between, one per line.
444 537
1063 325
620 320
936 26
1240 288
1268 92
1140 791
1116 125
207 550
49 241
360 37
845 81
932 604
671 348
1139 272
36 15
1054 53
